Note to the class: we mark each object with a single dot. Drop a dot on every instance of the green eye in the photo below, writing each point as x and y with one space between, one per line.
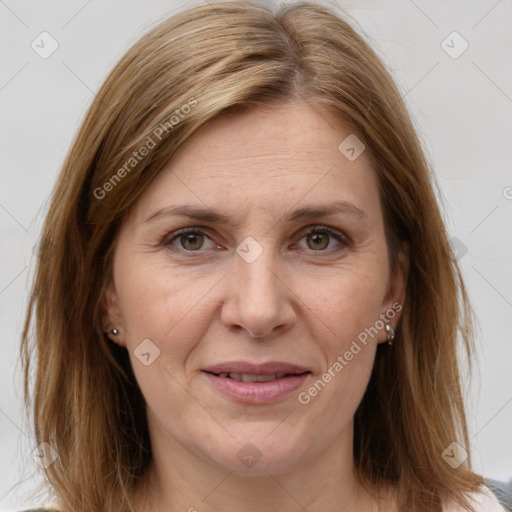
318 241
192 241
188 240
323 239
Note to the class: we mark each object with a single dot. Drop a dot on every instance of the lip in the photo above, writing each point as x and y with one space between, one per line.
255 393
255 368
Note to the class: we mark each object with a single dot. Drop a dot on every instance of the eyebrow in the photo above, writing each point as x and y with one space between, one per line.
206 214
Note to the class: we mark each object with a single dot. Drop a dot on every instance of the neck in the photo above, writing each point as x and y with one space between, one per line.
185 481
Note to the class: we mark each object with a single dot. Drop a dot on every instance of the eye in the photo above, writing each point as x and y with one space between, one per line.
322 239
188 240
317 238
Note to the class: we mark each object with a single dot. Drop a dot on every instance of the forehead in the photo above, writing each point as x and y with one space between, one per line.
269 138
260 156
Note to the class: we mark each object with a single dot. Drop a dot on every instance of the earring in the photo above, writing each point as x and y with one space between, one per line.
391 334
114 332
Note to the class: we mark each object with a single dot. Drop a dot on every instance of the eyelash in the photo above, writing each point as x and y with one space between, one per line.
343 240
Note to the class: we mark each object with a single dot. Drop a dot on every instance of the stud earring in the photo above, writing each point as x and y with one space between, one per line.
391 334
114 332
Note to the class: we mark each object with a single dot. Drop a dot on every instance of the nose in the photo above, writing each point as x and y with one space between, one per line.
258 299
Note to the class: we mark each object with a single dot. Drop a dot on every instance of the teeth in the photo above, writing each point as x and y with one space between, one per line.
245 377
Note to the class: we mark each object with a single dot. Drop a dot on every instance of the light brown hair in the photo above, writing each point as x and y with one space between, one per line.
220 58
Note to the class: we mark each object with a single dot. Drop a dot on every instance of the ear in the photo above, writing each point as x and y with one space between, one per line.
111 315
395 297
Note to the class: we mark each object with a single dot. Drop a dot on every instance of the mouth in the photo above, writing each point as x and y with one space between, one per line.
248 368
247 377
256 384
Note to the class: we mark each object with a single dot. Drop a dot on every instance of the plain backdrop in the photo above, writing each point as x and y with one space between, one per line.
462 105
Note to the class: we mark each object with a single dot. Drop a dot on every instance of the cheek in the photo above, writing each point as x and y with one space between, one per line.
165 306
348 347
171 308
348 305
157 300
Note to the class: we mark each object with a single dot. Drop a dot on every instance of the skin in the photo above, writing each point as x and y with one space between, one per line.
304 300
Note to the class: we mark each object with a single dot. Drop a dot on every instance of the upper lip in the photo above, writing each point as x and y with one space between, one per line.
269 368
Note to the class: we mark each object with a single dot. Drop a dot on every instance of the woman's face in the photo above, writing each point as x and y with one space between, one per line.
281 276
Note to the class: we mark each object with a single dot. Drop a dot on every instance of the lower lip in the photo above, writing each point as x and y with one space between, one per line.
257 392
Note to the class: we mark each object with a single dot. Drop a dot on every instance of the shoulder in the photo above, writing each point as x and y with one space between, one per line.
502 491
483 501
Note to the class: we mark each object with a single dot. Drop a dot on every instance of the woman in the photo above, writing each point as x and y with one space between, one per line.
250 301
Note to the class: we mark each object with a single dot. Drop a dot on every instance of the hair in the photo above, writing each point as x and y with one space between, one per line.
202 63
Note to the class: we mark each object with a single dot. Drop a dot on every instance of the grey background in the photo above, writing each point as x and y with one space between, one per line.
462 108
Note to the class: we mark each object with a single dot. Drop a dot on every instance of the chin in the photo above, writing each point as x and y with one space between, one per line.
257 453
